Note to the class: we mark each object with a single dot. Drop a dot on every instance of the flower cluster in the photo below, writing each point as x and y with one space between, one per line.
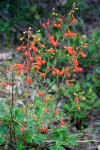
41 61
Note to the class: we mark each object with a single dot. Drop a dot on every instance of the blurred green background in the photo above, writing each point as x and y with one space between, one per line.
17 15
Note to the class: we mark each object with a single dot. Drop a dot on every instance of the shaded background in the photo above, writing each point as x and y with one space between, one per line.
18 15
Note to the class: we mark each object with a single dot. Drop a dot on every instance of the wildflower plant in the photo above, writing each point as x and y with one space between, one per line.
50 61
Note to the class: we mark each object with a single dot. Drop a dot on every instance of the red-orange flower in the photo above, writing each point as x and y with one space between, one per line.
40 93
82 54
78 69
68 74
4 84
66 34
59 25
70 33
76 99
48 68
18 71
70 50
56 111
43 62
27 68
50 51
44 25
43 129
55 71
43 75
38 63
37 67
62 72
19 48
26 53
46 110
36 50
51 38
44 99
61 19
70 85
30 58
75 62
54 24
29 80
78 107
62 123
21 66
16 65
54 43
35 119
24 47
73 21
22 128
41 45
9 69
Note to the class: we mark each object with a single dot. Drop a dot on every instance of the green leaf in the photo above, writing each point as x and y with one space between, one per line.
57 147
37 16
29 138
25 5
89 76
32 149
96 80
72 142
97 104
1 140
63 143
77 87
3 129
53 147
97 69
60 147
39 138
33 8
20 146
66 106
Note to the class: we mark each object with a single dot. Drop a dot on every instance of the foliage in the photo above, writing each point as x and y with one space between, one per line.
92 63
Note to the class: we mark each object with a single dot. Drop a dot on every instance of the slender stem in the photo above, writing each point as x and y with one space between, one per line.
11 127
12 105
